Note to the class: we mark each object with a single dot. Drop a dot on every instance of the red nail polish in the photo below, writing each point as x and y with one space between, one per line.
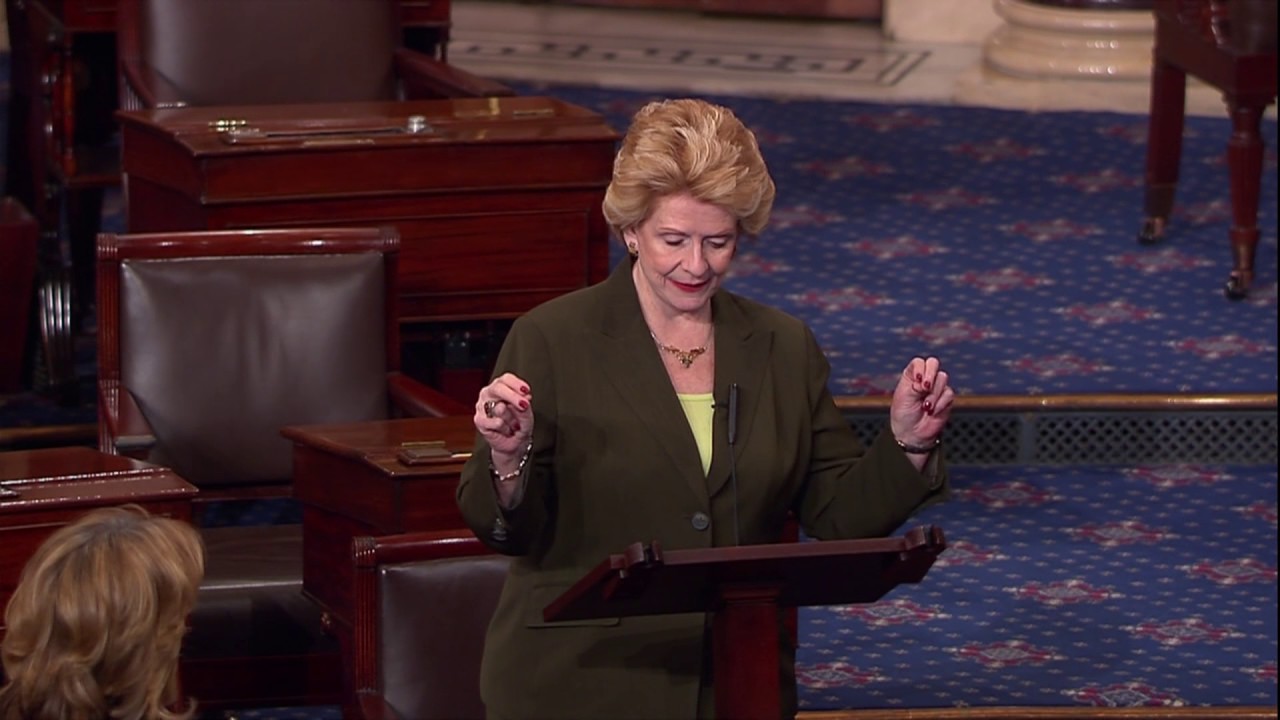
524 405
928 408
515 427
919 377
524 389
928 386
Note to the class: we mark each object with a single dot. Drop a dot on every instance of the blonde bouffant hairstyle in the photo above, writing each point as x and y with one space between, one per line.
97 620
688 146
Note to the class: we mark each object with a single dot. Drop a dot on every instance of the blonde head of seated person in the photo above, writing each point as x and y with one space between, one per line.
97 620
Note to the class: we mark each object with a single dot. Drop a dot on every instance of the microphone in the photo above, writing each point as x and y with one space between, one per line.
732 436
733 413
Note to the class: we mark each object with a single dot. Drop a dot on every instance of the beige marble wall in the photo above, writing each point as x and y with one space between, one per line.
966 22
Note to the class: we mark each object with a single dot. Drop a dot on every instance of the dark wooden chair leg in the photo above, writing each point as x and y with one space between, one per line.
1244 161
1164 148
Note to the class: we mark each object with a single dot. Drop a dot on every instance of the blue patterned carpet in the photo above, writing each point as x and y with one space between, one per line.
1081 586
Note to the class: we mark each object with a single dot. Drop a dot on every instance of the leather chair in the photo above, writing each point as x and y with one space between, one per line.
208 343
423 604
175 53
1231 45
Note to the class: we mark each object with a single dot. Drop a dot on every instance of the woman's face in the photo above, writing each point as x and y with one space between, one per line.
685 247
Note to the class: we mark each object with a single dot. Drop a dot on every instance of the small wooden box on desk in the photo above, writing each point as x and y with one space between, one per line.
42 490
350 482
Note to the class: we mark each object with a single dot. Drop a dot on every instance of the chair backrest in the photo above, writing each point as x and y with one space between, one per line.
250 52
221 338
435 595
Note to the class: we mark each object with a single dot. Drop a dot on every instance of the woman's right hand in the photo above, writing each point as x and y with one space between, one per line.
504 417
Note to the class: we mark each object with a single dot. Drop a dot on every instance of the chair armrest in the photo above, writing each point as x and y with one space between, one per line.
374 707
418 400
135 92
425 77
370 551
122 428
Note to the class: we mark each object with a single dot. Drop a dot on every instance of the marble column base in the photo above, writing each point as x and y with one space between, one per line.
1060 58
1038 41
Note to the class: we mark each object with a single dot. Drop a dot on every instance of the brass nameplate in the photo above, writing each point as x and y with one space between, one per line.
426 452
319 136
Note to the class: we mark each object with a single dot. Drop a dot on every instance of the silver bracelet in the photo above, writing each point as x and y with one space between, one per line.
524 460
919 449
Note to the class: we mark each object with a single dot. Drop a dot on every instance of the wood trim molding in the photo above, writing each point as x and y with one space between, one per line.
1093 402
1050 713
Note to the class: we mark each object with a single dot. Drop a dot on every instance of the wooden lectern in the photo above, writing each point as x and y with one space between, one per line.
746 587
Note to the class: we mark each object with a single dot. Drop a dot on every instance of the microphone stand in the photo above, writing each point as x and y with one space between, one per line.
732 435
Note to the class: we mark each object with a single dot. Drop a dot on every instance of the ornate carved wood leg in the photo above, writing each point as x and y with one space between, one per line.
1164 148
1244 160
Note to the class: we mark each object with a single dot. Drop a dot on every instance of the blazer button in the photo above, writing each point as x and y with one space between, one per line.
700 521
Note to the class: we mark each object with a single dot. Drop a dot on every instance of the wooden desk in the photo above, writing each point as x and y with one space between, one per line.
350 483
497 200
42 490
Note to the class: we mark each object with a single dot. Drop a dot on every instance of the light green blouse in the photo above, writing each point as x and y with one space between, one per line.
699 408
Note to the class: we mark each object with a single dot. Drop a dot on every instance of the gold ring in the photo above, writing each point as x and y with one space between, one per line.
488 407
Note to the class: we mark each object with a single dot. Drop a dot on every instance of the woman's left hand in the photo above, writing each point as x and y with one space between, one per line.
921 403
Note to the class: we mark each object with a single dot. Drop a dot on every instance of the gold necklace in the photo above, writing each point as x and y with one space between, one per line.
686 357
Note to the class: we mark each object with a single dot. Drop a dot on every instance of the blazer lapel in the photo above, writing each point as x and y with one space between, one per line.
742 354
624 351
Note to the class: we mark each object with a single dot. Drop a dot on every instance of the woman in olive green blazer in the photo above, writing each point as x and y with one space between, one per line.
585 447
